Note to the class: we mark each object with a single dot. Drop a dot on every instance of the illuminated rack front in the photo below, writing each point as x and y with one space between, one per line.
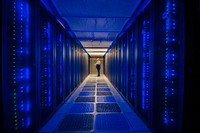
156 64
169 68
170 62
145 64
59 67
133 57
46 62
19 67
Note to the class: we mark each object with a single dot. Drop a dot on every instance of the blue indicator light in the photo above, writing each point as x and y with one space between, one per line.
145 64
27 17
170 58
165 120
21 66
22 106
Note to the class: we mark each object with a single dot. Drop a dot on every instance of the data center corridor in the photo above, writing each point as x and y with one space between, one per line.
149 66
96 106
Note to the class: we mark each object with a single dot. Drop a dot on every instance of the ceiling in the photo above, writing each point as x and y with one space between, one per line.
96 23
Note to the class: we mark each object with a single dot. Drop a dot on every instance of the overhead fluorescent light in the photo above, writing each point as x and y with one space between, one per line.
96 53
96 49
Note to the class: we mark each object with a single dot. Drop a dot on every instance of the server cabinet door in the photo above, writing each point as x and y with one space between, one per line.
46 64
59 65
66 66
169 66
19 88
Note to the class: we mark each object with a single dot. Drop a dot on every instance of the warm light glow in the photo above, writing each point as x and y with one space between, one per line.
96 53
96 49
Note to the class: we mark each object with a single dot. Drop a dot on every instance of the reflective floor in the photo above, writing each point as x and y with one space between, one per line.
95 107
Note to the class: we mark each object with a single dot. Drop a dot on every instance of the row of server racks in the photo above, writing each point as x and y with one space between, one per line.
146 64
42 64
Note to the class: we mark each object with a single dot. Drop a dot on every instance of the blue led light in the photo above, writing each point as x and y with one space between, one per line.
21 67
27 18
165 120
170 58
46 83
145 64
61 64
22 106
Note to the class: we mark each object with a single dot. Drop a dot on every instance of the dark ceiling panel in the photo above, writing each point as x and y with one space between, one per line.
96 21
96 35
96 24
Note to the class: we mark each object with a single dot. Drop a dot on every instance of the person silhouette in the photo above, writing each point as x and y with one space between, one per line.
98 66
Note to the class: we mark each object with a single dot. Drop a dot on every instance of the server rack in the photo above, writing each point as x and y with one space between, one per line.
121 65
112 65
170 66
36 65
120 84
85 64
80 65
47 71
118 64
66 65
59 64
126 70
81 55
156 65
81 70
72 65
18 67
76 64
115 65
145 64
133 64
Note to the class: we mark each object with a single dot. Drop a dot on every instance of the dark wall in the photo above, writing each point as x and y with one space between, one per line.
192 71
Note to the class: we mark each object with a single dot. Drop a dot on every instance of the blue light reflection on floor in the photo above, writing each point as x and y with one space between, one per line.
88 119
